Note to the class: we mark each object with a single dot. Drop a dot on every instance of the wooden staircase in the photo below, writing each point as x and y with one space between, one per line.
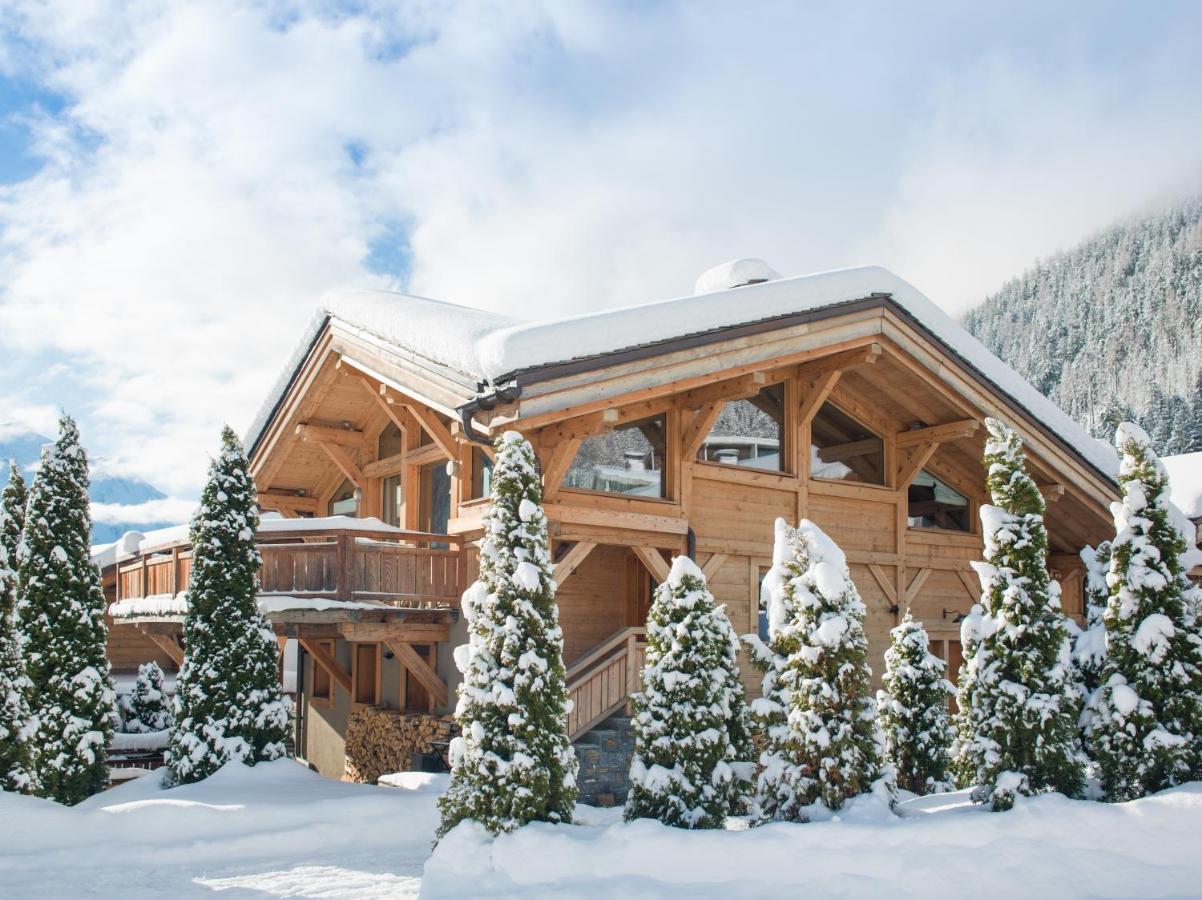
601 681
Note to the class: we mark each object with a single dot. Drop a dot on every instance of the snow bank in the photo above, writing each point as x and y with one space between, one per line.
1046 846
277 829
1185 482
150 740
167 605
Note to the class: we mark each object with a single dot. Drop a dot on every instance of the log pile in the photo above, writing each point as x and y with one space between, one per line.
379 741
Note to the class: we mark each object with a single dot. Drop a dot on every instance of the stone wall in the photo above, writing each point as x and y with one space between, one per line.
379 741
605 753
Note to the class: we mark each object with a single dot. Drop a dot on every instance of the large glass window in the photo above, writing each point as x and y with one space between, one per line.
344 502
841 449
481 473
935 504
391 442
391 500
627 460
749 432
435 510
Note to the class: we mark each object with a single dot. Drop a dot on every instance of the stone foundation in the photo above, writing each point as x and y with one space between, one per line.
605 754
379 741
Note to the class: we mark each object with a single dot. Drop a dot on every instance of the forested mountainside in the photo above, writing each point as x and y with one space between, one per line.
1112 330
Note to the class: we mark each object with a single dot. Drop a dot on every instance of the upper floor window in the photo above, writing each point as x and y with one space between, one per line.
435 498
345 500
481 473
749 432
391 442
391 500
841 449
934 503
627 460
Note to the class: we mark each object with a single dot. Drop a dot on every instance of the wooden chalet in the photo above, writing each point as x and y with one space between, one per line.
681 427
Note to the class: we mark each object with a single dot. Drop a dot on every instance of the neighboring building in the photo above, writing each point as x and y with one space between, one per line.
686 426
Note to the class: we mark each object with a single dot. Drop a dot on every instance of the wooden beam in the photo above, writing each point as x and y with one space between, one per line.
571 560
324 434
850 450
328 662
841 361
433 427
698 429
345 464
167 644
911 462
421 670
412 632
814 392
950 431
287 502
570 513
654 563
971 583
556 467
1051 492
884 582
916 583
712 565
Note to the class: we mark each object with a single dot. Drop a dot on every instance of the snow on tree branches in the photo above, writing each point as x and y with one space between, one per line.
913 710
16 725
1144 725
147 708
692 759
1089 646
60 610
822 741
513 763
1019 702
228 703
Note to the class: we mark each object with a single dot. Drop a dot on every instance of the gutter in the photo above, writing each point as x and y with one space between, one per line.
487 397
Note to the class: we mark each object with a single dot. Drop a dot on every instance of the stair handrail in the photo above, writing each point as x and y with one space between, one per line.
579 670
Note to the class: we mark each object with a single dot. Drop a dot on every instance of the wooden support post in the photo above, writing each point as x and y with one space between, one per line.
421 671
556 467
699 428
814 393
571 561
971 583
911 461
323 434
327 661
345 464
167 644
885 584
345 565
951 431
437 431
916 583
712 565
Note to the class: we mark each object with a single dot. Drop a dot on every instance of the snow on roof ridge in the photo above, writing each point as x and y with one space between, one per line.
487 346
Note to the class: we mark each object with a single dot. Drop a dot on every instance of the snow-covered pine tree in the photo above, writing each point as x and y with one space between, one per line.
1144 727
513 763
818 715
913 710
1019 698
16 753
685 767
148 709
1089 646
228 702
60 613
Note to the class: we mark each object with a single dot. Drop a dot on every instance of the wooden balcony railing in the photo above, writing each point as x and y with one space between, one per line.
404 569
601 681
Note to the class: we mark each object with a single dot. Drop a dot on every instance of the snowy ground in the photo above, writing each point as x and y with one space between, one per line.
279 830
275 830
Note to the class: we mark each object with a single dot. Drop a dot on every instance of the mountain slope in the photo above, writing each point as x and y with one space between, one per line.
1113 329
120 503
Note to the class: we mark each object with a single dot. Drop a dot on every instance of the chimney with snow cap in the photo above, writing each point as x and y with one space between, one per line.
733 274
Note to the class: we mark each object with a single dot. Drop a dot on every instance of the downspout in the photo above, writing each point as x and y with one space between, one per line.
487 397
691 544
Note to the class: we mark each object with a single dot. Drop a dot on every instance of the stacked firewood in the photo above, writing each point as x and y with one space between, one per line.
379 741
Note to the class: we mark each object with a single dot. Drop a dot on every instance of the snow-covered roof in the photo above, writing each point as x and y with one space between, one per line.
488 347
1185 482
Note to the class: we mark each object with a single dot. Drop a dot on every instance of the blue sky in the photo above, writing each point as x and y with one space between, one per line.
180 182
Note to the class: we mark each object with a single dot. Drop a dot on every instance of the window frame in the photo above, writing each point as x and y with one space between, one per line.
666 480
784 443
324 699
969 507
887 478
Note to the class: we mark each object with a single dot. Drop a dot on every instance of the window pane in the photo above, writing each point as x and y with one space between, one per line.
365 673
390 501
841 449
435 498
343 503
391 442
481 474
935 504
322 683
749 432
627 460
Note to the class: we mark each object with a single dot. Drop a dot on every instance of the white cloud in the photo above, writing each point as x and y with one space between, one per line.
167 509
199 194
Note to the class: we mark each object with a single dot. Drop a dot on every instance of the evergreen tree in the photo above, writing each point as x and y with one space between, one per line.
1145 724
685 770
16 723
228 702
1089 646
1019 698
147 709
513 763
913 710
822 741
60 611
